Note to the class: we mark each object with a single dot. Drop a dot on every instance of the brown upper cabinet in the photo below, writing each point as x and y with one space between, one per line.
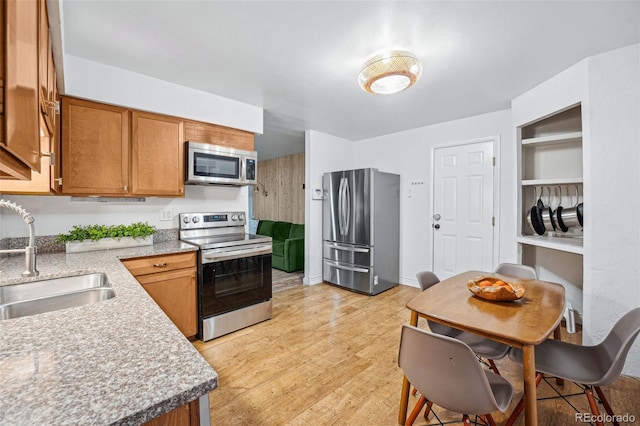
95 148
20 56
218 135
157 156
29 147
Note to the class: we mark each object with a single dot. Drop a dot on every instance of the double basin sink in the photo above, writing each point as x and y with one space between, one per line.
37 297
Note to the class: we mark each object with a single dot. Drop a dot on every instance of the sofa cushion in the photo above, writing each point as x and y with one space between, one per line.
278 248
296 231
265 227
280 231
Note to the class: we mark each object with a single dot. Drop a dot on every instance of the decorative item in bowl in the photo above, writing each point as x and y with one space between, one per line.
491 288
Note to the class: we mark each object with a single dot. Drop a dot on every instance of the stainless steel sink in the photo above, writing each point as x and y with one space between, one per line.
54 294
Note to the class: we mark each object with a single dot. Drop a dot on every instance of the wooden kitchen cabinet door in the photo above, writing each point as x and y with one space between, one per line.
157 155
95 148
185 415
175 293
21 135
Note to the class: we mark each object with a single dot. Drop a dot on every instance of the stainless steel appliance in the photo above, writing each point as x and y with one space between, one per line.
234 272
360 230
208 164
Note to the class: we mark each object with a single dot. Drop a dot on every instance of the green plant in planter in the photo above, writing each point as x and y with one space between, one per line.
97 232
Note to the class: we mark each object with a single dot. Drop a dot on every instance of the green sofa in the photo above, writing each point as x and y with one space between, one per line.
288 244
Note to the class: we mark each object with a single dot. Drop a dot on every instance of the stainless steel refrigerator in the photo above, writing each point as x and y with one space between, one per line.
360 230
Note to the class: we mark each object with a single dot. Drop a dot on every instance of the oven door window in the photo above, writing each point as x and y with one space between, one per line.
233 284
210 165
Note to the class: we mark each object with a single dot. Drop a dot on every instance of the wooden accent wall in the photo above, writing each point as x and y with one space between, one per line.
283 179
218 135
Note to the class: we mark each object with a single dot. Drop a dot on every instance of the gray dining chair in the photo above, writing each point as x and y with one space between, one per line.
590 367
481 346
446 373
517 270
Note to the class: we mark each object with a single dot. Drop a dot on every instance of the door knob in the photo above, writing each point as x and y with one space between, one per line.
437 226
437 216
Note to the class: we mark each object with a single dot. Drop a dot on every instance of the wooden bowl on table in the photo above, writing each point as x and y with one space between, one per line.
491 288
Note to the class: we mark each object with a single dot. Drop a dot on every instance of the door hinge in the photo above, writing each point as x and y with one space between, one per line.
493 221
494 161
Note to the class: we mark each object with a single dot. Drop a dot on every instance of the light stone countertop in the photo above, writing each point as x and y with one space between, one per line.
119 361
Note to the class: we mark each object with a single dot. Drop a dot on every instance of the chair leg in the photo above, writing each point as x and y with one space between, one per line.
427 410
488 418
414 391
593 404
493 366
605 404
465 419
416 410
516 411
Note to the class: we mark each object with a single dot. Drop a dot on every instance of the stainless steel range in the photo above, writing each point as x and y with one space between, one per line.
234 272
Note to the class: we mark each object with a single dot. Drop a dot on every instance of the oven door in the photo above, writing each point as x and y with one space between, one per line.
230 284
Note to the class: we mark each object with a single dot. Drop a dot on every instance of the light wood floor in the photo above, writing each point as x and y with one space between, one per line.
329 357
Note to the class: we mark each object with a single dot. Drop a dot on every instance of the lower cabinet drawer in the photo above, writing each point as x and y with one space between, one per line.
163 263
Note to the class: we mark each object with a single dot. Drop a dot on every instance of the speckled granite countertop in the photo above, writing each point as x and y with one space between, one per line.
119 361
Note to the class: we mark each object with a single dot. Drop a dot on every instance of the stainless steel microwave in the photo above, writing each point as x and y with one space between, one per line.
217 165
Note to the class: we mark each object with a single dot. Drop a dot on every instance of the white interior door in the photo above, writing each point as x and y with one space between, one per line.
463 209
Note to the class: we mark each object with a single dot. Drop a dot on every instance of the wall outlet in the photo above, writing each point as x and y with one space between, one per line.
166 215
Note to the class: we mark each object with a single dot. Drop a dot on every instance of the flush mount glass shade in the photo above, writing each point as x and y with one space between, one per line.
390 72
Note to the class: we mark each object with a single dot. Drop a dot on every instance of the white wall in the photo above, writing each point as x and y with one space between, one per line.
111 85
612 265
323 153
409 154
54 214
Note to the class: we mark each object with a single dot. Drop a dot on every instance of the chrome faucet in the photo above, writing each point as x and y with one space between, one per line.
30 250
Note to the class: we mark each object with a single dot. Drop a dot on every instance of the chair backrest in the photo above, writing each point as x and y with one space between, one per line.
517 270
445 371
617 344
426 279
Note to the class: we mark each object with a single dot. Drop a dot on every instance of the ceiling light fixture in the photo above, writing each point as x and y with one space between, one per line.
390 72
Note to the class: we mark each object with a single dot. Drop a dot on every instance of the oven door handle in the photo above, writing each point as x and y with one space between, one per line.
235 254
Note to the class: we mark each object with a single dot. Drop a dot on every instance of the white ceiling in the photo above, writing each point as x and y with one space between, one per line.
299 60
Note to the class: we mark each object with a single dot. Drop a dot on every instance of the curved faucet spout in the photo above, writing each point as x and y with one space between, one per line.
30 250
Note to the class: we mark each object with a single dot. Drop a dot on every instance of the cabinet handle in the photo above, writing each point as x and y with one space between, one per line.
125 188
160 265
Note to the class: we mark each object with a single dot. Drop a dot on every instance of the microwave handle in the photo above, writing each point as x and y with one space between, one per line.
243 171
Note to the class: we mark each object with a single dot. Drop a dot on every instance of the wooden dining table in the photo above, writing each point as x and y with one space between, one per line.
522 323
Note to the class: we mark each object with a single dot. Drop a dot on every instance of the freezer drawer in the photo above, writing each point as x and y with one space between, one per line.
347 253
353 277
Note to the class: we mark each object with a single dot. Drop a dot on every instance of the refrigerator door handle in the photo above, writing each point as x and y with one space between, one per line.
341 206
347 215
346 268
347 248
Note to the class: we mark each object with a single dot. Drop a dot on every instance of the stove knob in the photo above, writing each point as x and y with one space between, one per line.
234 217
240 216
185 219
195 219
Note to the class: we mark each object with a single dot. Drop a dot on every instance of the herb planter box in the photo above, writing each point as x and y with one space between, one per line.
107 243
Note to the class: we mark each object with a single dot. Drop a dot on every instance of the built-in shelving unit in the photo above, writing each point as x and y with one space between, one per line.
551 163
